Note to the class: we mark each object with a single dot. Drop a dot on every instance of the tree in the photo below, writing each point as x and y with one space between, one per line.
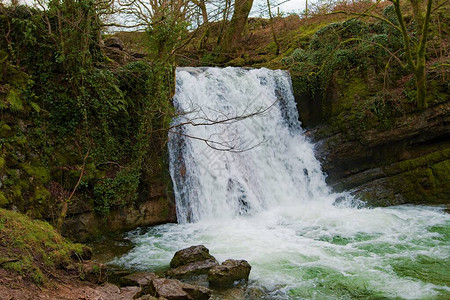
272 27
414 47
238 21
417 63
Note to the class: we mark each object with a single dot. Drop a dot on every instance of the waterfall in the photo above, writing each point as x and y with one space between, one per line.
249 154
270 205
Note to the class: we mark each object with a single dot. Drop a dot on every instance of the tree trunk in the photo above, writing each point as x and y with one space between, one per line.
224 22
421 86
272 27
418 14
238 21
204 39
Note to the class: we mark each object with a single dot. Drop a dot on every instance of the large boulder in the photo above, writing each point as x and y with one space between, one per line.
190 255
228 272
173 289
194 260
195 268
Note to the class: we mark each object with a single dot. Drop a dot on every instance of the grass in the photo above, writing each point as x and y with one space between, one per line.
33 249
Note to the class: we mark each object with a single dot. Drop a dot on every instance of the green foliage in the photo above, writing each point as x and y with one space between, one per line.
60 102
165 34
118 191
32 248
349 67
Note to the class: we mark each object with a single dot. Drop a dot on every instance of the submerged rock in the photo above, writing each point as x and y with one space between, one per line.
228 272
190 255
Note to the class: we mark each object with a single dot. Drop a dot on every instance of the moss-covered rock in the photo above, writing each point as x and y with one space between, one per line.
34 249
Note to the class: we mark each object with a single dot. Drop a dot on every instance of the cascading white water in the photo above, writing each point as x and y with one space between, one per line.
250 109
270 205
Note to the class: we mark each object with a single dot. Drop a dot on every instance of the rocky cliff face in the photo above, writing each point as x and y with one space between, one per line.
83 223
409 162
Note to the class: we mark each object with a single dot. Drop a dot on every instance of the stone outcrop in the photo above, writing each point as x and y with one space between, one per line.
228 272
114 42
407 163
114 48
83 223
191 261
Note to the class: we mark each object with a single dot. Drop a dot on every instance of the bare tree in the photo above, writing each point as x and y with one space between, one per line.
417 63
415 41
272 27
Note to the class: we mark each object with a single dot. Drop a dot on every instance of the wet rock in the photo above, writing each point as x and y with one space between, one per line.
255 293
114 42
228 272
138 279
141 279
195 268
197 292
190 255
170 289
173 289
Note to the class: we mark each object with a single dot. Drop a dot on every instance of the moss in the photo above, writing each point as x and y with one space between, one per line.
38 172
41 194
4 129
3 200
423 161
165 213
33 248
237 62
14 101
346 108
441 171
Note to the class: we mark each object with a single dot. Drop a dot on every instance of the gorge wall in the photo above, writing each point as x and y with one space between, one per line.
405 162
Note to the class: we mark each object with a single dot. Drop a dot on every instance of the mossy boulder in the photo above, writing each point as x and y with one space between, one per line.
34 249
